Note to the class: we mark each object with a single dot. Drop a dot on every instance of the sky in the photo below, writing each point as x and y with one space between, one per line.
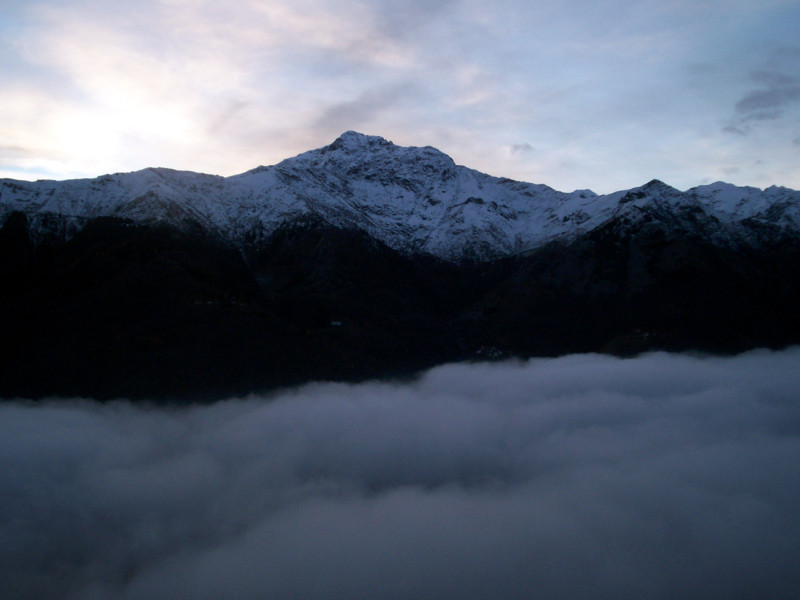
584 476
574 94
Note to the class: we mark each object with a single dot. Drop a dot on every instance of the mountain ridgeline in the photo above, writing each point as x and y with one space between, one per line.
364 259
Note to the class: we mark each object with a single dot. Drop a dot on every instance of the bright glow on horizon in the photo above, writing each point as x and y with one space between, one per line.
575 95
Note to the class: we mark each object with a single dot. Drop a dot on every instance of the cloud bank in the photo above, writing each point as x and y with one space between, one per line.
579 477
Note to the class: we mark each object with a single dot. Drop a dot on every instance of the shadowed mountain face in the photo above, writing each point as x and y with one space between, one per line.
127 310
140 311
626 291
364 259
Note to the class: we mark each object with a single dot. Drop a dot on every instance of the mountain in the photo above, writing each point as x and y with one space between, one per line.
366 259
415 200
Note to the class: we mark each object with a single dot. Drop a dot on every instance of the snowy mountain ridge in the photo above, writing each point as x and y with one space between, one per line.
413 199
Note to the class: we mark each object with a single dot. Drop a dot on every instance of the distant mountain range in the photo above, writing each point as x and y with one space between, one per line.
366 259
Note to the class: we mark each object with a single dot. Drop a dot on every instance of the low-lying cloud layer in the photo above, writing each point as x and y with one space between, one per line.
579 477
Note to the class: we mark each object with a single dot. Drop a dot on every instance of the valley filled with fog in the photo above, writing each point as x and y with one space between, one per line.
585 476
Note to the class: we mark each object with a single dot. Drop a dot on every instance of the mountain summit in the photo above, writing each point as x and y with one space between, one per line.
367 259
416 200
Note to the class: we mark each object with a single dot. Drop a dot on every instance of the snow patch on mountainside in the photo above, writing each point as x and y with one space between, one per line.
413 199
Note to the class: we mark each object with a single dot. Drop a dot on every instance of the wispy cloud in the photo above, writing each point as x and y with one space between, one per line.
768 103
361 112
773 93
521 149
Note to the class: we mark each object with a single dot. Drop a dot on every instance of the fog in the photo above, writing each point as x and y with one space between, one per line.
585 476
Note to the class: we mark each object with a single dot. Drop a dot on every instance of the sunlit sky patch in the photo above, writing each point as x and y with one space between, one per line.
575 94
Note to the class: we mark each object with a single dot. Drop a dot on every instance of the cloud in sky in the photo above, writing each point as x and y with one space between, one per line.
608 93
776 93
780 91
580 477
523 148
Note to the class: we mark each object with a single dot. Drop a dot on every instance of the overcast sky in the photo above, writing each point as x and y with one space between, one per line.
573 94
581 477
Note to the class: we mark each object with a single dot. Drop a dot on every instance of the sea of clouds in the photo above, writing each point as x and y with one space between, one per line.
586 476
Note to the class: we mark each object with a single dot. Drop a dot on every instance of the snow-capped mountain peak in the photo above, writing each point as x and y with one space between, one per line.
352 141
415 199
